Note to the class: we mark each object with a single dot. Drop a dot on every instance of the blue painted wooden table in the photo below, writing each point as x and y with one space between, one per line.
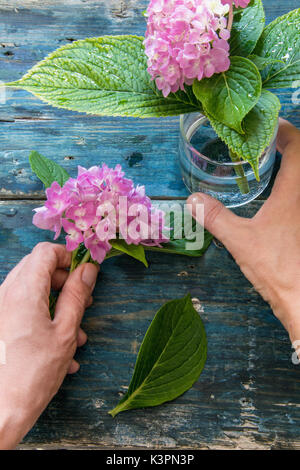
248 394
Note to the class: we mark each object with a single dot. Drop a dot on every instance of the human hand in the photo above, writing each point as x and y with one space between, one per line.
267 247
39 352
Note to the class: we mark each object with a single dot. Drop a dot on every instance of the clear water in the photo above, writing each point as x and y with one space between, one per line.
217 176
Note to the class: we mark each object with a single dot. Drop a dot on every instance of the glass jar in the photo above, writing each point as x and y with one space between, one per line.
206 165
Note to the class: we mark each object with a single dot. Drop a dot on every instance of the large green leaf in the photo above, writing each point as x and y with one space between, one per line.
281 40
171 357
103 76
259 125
47 170
247 26
262 62
230 95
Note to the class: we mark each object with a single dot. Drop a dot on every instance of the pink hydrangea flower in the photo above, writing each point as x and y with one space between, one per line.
186 40
74 235
96 207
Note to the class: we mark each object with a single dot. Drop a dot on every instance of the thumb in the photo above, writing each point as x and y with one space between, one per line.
75 295
218 220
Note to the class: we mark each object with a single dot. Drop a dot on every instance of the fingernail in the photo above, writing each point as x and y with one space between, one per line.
89 275
194 200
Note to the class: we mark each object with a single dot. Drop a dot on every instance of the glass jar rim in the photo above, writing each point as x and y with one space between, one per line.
204 157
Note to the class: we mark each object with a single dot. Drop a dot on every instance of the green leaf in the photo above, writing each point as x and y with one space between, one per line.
106 76
230 95
247 27
171 357
262 62
260 125
281 40
178 247
136 251
47 170
180 237
174 246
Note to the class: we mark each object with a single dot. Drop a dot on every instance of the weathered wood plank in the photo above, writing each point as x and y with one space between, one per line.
248 394
148 149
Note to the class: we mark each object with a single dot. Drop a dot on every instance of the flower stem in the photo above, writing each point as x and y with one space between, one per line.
241 181
74 261
230 18
77 262
86 258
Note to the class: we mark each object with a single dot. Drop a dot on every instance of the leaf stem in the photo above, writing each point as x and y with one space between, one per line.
10 84
241 181
118 409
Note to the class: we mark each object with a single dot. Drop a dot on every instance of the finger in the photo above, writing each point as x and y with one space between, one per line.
40 266
73 367
287 134
75 296
288 143
81 338
218 220
47 257
59 278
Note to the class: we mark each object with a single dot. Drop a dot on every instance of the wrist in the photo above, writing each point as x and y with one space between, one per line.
14 425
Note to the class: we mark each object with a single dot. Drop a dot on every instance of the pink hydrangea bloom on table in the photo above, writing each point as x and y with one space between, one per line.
97 207
186 40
